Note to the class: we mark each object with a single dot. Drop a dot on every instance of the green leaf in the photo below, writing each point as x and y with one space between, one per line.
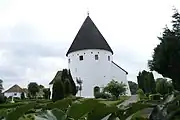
101 110
19 111
81 107
133 108
60 104
54 114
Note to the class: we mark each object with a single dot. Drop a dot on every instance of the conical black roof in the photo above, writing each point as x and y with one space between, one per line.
89 37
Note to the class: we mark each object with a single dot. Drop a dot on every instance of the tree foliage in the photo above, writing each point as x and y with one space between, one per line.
133 87
2 98
47 93
146 82
72 83
22 95
166 56
66 84
1 85
41 86
58 90
141 94
115 88
33 88
67 88
163 86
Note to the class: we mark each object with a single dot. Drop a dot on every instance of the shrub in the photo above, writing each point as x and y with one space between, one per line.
102 95
115 88
2 98
58 90
155 97
10 105
141 95
40 97
22 96
17 98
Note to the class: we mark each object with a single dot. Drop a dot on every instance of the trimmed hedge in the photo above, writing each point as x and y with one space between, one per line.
155 97
102 95
11 105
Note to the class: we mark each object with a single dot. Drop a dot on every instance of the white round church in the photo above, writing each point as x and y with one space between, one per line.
90 59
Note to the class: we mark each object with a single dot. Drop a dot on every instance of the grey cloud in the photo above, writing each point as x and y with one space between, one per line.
24 48
25 41
130 61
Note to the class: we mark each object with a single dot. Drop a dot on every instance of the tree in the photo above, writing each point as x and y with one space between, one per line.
115 88
146 82
41 86
1 85
133 87
67 88
166 56
47 93
141 95
79 82
64 75
163 86
72 83
66 85
22 96
33 88
2 98
58 90
65 78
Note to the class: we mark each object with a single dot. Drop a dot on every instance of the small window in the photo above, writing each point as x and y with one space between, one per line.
96 57
108 58
69 60
81 57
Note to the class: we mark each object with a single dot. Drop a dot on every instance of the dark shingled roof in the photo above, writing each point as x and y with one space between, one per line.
120 67
89 37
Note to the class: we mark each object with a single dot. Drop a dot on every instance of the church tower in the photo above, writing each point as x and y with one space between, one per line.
90 58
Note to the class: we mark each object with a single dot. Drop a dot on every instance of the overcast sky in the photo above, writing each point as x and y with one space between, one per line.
36 34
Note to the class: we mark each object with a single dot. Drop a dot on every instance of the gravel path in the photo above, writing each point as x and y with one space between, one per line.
132 99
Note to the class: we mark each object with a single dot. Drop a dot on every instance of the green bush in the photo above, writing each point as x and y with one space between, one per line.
22 96
17 98
2 98
19 111
102 95
138 118
11 105
141 95
155 97
92 109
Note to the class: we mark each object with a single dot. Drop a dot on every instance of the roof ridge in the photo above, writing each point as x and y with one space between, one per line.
119 67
